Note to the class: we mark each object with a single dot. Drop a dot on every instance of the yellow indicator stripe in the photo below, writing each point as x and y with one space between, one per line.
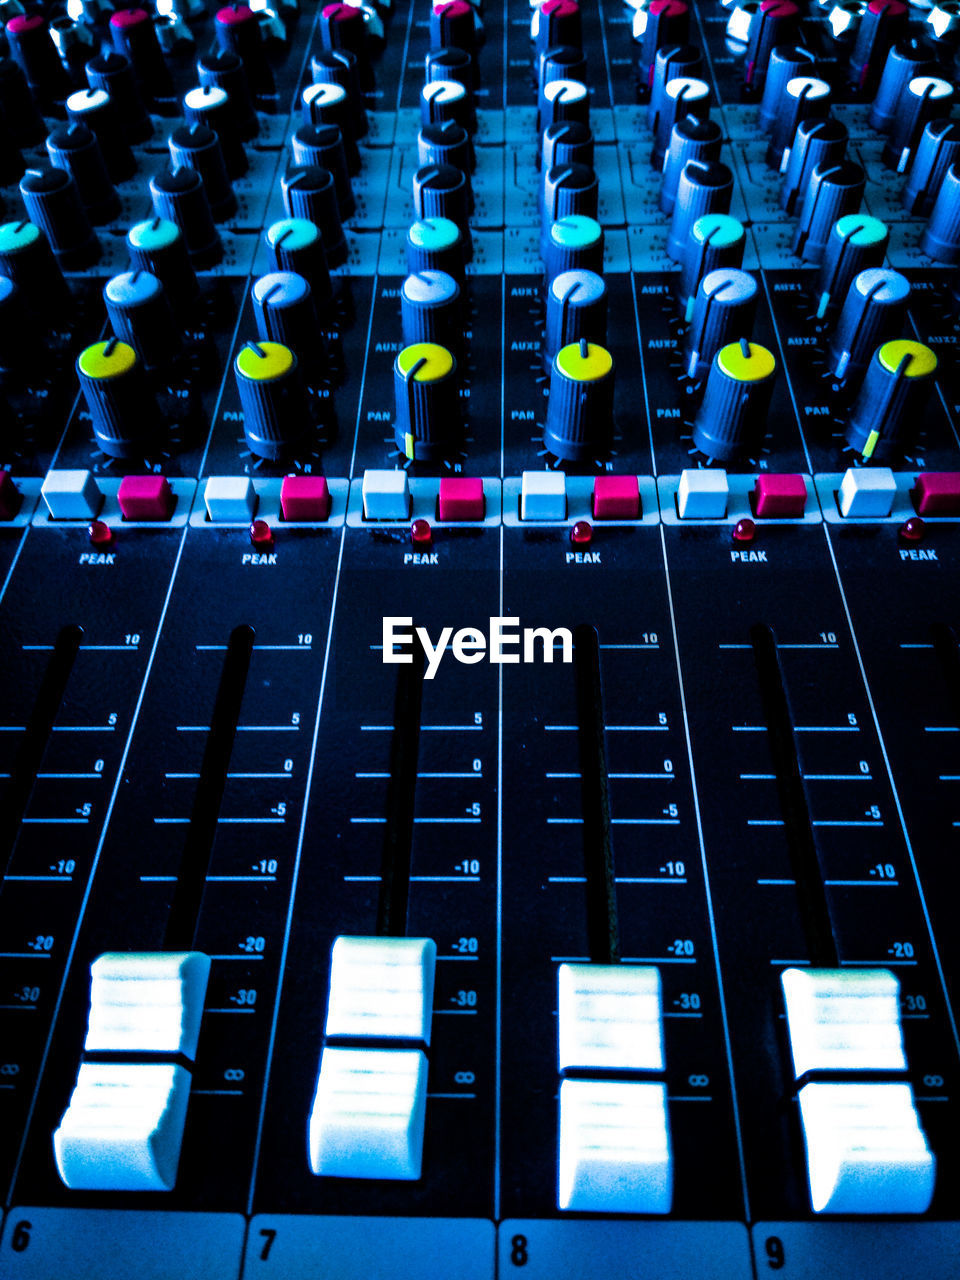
107 359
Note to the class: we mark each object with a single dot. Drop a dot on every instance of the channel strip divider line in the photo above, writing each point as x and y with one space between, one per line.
643 370
908 843
706 888
363 373
497 1071
281 973
71 951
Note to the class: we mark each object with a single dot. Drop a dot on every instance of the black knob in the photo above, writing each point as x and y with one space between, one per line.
238 31
855 243
27 259
556 22
440 191
926 98
194 146
285 312
561 63
157 248
211 106
576 308
875 311
785 63
447 143
52 202
339 66
692 138
683 96
33 50
321 145
310 193
882 23
662 22
430 310
703 188
937 150
96 109
671 62
75 149
716 240
941 239
568 189
833 192
223 70
122 409
724 308
573 243
113 73
453 24
295 245
343 27
273 399
804 98
140 314
180 197
816 142
330 104
579 423
733 414
905 61
442 100
133 34
563 100
892 402
451 64
435 244
567 142
773 24
428 425
20 108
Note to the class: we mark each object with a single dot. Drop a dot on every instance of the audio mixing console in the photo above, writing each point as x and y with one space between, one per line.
479 610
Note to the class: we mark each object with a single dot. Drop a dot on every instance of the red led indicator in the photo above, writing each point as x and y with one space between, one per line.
913 530
581 535
100 534
261 535
421 533
744 530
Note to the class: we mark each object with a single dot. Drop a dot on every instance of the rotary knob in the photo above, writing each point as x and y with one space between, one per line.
579 424
179 197
157 248
27 260
733 414
447 143
564 62
833 192
96 109
573 243
194 146
563 100
874 312
926 98
224 70
340 66
113 74
435 244
295 244
330 104
52 202
430 310
692 138
442 100
238 31
937 150
567 142
576 309
804 98
140 315
816 142
855 243
441 191
892 400
786 63
273 399
941 237
703 188
121 407
683 96
673 61
133 34
662 22
33 50
774 23
74 148
20 108
451 64
210 105
428 425
716 240
725 306
321 145
570 189
453 24
882 23
310 194
905 62
285 312
556 22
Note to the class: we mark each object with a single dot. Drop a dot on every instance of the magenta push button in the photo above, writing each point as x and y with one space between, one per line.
145 498
616 498
937 493
10 496
780 497
461 498
305 498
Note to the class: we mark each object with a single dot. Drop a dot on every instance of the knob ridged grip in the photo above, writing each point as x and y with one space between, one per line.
875 311
892 401
273 399
579 423
733 414
428 426
723 311
118 399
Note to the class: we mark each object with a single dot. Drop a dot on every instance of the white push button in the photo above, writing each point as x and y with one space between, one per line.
368 1114
382 988
615 1154
71 495
866 1151
867 492
123 1128
147 1001
703 495
543 495
230 499
843 1020
610 1016
386 495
